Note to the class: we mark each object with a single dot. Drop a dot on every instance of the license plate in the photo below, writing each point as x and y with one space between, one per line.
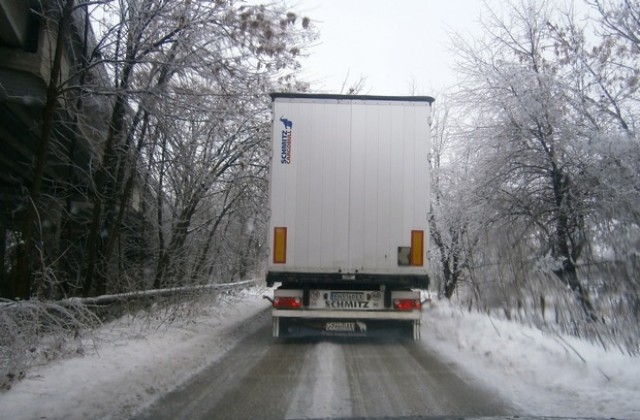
348 297
346 300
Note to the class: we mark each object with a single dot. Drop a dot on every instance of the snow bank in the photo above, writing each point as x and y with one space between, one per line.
133 365
544 375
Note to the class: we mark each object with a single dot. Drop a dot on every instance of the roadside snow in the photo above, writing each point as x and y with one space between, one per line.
133 365
543 374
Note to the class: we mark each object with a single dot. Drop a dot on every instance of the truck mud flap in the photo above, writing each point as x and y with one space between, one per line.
300 327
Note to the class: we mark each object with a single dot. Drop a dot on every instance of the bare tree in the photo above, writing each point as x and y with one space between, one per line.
451 214
164 105
530 171
182 72
57 17
551 102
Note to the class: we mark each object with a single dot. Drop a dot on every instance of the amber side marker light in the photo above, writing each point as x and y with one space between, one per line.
279 245
417 248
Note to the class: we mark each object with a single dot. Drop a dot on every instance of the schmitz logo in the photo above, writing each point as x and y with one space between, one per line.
346 327
285 157
341 326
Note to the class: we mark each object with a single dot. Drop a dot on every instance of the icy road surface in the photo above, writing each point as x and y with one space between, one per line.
324 378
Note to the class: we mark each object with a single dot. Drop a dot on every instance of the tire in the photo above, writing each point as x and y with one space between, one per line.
416 330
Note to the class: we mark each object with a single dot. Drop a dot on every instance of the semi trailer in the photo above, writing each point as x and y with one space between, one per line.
349 197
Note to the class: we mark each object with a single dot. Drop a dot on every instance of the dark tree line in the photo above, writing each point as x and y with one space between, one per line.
165 102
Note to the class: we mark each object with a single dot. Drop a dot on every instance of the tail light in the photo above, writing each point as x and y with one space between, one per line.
287 302
407 304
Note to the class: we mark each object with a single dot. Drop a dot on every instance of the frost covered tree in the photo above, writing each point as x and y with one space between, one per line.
527 169
452 214
60 39
213 171
603 54
533 169
187 79
552 107
604 95
172 98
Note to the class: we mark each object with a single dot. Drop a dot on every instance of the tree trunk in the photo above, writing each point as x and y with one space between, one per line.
23 279
568 274
568 251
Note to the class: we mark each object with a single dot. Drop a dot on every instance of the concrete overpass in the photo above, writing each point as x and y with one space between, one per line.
27 40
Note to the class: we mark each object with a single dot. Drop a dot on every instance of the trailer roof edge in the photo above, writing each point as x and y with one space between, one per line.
275 95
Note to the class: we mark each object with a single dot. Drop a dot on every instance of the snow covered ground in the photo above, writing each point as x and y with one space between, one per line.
543 374
133 365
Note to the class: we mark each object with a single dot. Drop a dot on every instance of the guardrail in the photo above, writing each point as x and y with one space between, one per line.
132 296
108 307
172 291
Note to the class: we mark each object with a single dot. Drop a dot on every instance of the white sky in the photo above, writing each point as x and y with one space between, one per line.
394 44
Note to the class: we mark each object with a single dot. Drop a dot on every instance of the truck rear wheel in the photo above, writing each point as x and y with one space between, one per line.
416 330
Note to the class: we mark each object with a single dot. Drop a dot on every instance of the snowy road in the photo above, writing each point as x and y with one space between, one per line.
322 378
222 363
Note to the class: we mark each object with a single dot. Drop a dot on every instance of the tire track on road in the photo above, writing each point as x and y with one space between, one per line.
255 379
325 378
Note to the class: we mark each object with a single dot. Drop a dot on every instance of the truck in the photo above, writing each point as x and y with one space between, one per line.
349 198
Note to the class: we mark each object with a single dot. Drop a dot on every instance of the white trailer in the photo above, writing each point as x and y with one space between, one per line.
349 197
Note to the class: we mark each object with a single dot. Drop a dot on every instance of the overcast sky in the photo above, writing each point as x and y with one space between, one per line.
394 44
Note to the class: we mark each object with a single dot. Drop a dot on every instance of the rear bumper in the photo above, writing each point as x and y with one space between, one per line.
317 280
383 315
317 325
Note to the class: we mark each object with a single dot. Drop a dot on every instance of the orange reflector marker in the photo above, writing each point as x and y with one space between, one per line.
417 248
287 302
407 304
279 245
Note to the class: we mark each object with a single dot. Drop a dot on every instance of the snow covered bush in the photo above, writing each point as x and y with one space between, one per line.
33 332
